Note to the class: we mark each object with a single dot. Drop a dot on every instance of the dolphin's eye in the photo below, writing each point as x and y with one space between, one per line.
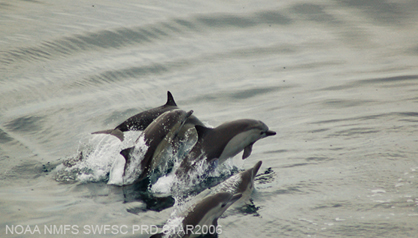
261 133
223 205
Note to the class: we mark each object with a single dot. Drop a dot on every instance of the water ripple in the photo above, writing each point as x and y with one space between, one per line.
25 124
352 132
153 69
4 137
386 12
225 20
375 81
140 35
402 115
248 93
346 103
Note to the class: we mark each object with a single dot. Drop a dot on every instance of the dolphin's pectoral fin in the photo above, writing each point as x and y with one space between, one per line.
215 234
215 222
170 100
247 151
126 153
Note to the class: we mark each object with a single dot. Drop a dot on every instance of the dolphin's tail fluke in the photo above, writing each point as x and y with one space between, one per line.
114 132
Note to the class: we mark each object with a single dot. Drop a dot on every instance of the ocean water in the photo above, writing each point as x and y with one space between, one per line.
337 81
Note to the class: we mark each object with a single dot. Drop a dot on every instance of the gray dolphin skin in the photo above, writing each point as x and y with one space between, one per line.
141 121
205 213
246 184
157 137
241 183
225 141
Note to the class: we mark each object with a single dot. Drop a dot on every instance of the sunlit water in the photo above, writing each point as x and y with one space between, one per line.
338 81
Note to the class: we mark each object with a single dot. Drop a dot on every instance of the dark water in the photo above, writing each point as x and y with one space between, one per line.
338 81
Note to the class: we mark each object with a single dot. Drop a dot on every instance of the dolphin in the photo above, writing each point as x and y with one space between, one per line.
205 213
142 120
223 142
141 160
241 183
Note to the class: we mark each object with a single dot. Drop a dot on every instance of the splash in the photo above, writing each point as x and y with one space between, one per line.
204 175
128 174
94 158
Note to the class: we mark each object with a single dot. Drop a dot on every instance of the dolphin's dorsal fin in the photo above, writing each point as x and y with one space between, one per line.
170 100
202 130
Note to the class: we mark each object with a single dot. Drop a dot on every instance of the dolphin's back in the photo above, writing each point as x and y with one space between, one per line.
141 121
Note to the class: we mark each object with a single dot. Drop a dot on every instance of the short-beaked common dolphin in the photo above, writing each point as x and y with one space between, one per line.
204 213
142 120
224 141
158 136
240 183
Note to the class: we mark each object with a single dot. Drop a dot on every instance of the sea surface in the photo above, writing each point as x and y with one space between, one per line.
337 81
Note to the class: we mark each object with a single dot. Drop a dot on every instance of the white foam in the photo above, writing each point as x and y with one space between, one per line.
133 170
95 158
116 172
98 156
163 185
173 227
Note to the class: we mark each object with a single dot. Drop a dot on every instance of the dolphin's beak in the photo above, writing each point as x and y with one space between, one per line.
270 133
189 113
256 167
235 198
186 117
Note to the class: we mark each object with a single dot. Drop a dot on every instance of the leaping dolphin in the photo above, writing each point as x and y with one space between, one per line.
224 141
207 212
142 120
204 214
151 146
241 183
